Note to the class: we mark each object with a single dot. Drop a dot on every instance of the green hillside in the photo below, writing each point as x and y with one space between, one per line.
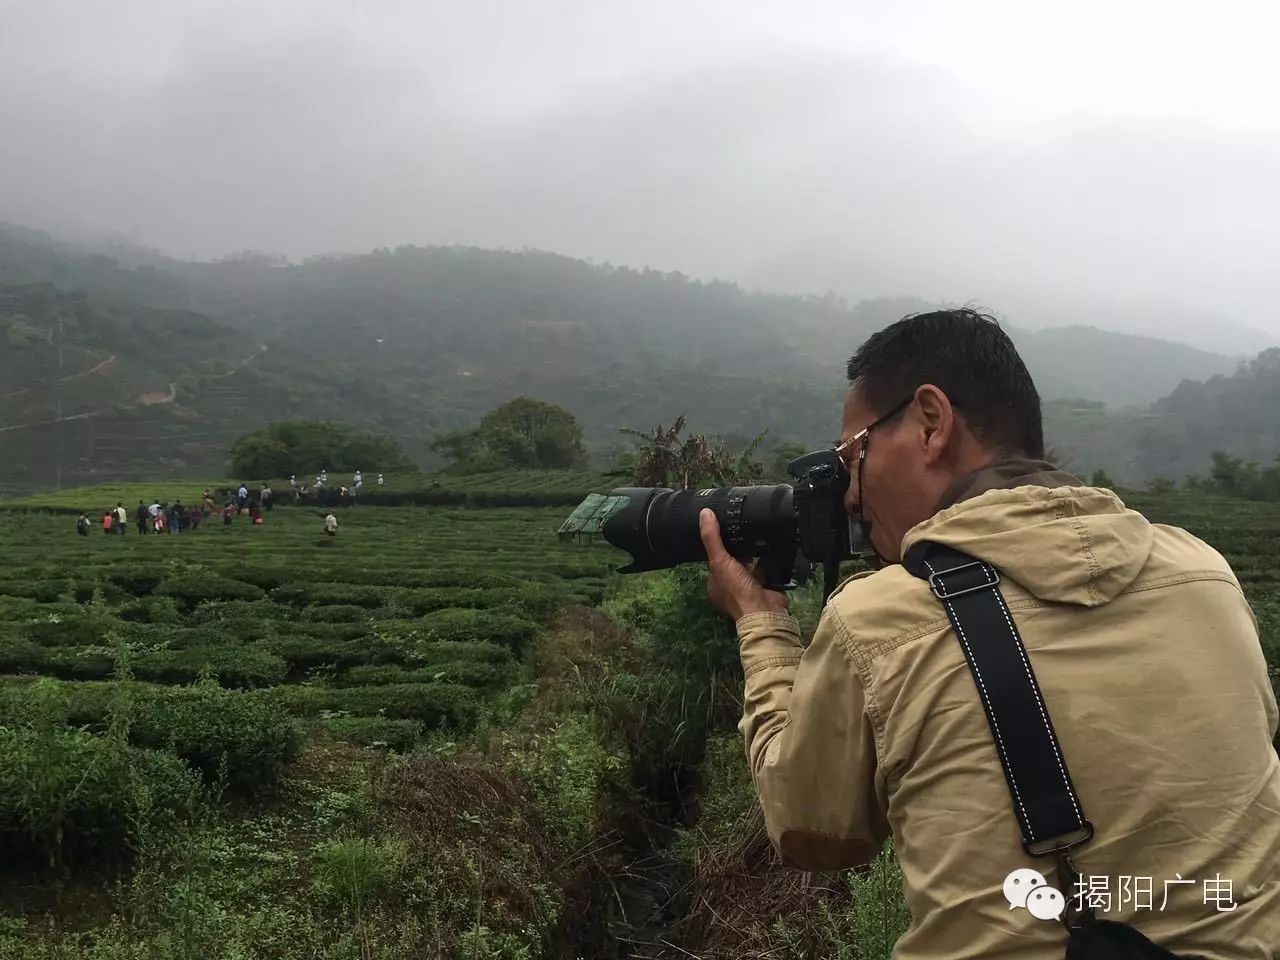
152 369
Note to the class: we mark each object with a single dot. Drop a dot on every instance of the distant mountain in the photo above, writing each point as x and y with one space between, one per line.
152 368
1212 332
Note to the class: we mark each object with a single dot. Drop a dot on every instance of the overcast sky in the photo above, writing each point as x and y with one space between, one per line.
1010 152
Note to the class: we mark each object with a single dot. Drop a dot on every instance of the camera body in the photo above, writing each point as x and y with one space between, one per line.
790 527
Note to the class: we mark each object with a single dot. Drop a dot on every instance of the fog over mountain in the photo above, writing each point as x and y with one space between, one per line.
1024 156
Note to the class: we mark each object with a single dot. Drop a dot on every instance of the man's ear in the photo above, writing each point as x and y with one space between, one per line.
937 419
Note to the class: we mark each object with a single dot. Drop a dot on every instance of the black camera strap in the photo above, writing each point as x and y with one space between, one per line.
1049 813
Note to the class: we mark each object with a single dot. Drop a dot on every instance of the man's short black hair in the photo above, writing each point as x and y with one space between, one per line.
966 355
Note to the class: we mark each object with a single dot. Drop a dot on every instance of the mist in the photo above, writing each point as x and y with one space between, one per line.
1065 164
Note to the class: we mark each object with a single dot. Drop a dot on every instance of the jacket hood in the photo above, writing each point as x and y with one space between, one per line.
1066 544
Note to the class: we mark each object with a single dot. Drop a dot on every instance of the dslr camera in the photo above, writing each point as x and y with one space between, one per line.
791 528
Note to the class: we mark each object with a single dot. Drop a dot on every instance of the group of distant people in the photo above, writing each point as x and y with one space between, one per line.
163 517
347 495
158 517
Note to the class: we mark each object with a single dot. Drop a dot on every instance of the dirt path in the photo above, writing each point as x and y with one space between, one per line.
155 399
99 367
145 400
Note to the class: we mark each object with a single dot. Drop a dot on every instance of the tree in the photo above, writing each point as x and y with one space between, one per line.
1101 479
522 433
662 459
783 454
305 446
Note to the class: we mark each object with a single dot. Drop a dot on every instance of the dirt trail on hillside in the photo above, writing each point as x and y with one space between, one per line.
153 399
99 367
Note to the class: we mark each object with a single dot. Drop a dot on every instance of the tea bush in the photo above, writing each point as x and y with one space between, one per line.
245 737
66 795
432 703
496 627
399 735
193 589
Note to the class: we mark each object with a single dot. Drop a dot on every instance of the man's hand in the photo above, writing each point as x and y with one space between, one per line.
731 587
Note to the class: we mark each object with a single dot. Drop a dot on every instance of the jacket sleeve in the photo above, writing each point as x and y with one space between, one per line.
810 742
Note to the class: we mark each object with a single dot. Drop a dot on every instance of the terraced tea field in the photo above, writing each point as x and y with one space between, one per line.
417 738
406 620
151 680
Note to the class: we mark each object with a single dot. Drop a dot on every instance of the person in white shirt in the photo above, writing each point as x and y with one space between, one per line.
380 480
331 525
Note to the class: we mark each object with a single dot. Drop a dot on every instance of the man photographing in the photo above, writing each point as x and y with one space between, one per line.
1143 646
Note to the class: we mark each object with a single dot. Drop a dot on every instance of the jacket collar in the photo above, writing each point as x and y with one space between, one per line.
1005 475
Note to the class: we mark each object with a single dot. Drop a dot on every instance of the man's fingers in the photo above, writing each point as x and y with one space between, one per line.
709 529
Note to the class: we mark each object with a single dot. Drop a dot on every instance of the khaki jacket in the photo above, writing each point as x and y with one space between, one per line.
1151 668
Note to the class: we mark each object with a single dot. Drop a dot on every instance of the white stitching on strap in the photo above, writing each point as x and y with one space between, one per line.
1043 713
982 689
989 580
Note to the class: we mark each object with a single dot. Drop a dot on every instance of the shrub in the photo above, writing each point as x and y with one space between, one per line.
264 578
82 663
441 651
228 611
338 613
232 666
331 631
193 590
330 594
432 703
428 599
466 672
47 591
73 631
303 653
67 795
137 579
245 736
399 735
22 656
495 627
159 610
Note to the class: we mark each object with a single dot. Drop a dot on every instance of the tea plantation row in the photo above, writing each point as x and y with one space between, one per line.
222 650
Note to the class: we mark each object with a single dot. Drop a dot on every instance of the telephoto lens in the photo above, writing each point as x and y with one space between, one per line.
658 526
790 529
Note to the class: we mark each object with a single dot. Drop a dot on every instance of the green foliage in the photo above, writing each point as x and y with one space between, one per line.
1100 479
243 739
662 459
507 629
435 704
1233 477
522 433
401 735
66 796
355 872
865 926
231 666
456 671
307 447
191 590
571 767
